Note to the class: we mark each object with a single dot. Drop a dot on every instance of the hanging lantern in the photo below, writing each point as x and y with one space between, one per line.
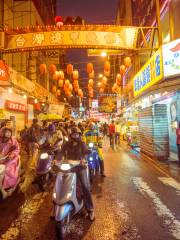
60 83
58 93
91 82
101 90
118 90
118 79
60 74
70 87
107 73
54 89
69 69
43 69
127 61
55 75
107 66
68 93
67 83
90 87
79 91
52 69
104 80
89 68
75 83
75 74
122 69
99 84
76 89
91 75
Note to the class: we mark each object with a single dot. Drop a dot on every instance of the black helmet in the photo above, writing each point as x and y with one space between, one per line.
75 133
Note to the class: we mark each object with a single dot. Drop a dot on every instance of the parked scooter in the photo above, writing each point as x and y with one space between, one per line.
67 196
9 192
93 161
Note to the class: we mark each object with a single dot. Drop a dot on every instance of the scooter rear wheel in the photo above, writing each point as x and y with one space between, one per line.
63 227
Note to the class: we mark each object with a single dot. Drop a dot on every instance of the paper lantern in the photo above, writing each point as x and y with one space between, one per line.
52 69
89 68
75 74
122 69
58 93
104 81
60 83
76 89
69 69
91 82
60 74
67 83
80 91
54 89
68 93
107 73
43 69
55 76
75 83
107 66
90 87
127 61
91 75
101 90
70 87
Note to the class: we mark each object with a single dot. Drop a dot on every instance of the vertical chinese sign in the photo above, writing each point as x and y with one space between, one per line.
4 74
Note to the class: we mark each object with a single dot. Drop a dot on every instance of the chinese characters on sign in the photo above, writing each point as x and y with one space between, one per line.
4 73
107 103
150 73
171 58
15 106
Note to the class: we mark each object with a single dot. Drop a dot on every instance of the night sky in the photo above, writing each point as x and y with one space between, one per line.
93 11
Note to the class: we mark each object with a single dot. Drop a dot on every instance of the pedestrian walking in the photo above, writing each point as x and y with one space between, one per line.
117 133
178 142
112 133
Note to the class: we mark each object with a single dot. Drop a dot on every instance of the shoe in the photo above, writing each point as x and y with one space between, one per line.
91 216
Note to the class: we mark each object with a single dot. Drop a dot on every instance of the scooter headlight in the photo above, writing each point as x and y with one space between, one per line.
65 167
44 156
90 159
91 145
66 139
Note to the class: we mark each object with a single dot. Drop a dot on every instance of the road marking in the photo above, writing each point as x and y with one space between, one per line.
27 211
170 221
171 182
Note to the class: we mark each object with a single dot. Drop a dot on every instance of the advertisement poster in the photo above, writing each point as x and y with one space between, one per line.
107 103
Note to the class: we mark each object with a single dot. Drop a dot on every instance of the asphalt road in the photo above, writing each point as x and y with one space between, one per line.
135 201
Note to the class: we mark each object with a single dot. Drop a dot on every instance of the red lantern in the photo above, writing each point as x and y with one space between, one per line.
122 69
58 93
60 83
91 75
89 68
70 87
75 83
59 21
91 82
107 66
55 76
75 74
52 69
118 79
127 62
60 75
67 83
107 73
104 81
43 69
76 89
69 69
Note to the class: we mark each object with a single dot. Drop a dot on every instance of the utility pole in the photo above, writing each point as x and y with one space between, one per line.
158 17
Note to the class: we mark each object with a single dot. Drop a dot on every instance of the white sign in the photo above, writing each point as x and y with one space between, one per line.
171 58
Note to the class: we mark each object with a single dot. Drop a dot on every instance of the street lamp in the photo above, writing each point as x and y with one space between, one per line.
100 75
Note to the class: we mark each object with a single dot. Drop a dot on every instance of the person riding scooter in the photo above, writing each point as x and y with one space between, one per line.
75 149
9 152
92 136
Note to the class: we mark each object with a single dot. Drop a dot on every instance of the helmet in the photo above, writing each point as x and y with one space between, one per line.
7 129
75 133
51 128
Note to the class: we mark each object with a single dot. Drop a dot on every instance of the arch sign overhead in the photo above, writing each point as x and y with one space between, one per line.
85 36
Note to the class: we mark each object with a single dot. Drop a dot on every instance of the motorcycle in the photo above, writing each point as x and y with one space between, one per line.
67 196
7 193
93 161
44 172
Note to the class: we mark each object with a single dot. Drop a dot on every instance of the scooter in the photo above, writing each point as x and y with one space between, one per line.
67 196
44 172
93 161
7 193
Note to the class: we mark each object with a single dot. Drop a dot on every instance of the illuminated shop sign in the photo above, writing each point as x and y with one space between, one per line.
151 73
14 106
171 58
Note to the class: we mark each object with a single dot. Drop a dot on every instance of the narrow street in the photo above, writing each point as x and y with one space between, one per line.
135 201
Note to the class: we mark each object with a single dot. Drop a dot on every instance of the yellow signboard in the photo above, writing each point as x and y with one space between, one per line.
2 114
150 73
112 37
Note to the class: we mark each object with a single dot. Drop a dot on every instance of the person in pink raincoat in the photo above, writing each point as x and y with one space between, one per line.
9 146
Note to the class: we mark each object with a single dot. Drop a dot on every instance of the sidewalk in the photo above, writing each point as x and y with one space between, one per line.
169 168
